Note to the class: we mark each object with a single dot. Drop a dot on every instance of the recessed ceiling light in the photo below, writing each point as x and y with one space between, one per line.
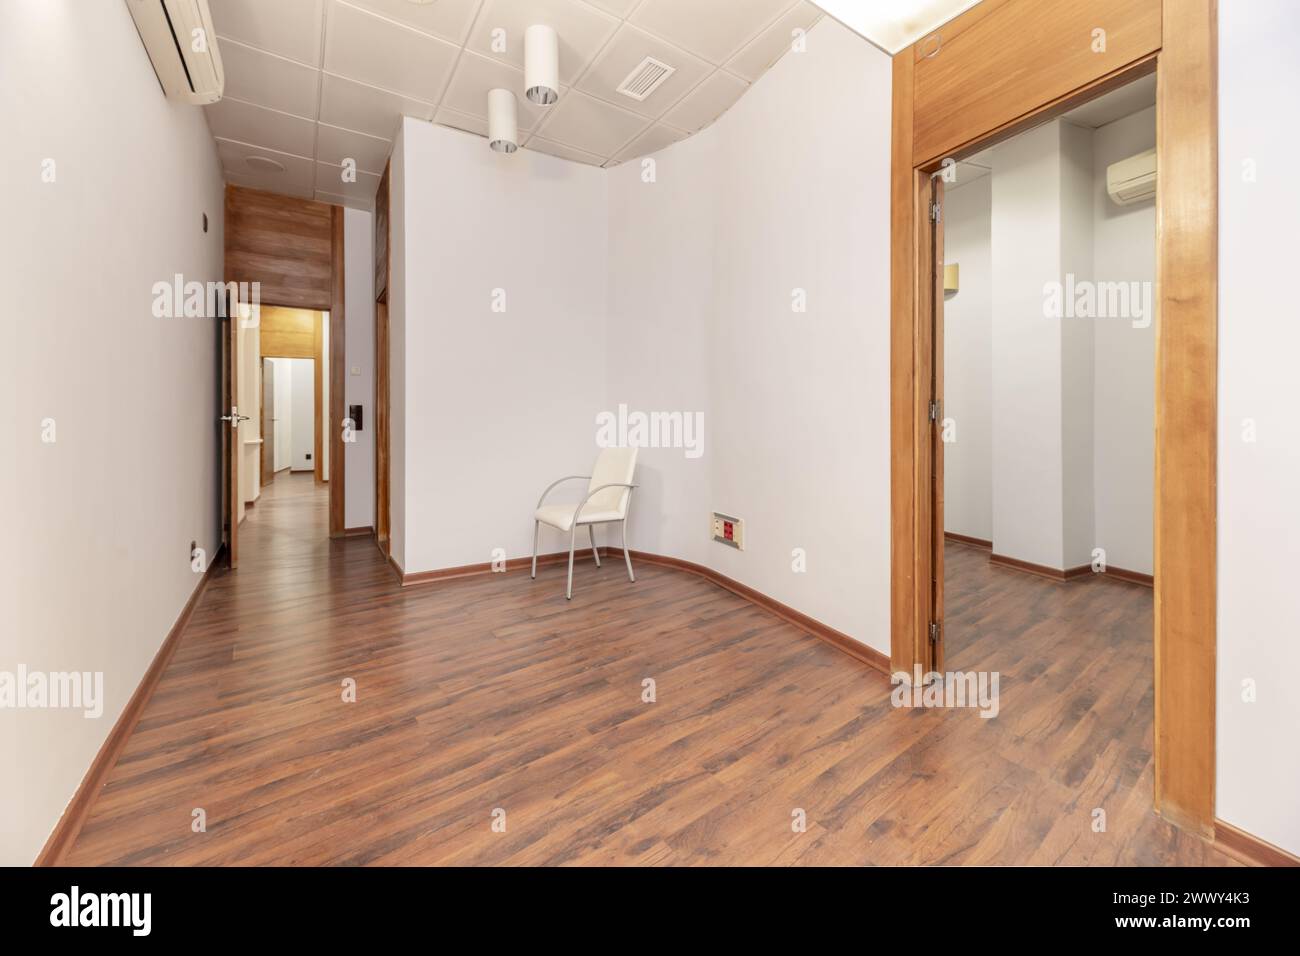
263 165
893 24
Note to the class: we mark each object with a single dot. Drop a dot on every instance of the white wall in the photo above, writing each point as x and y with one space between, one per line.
302 401
1124 250
1258 762
283 450
504 402
107 512
800 427
968 357
1028 516
359 315
1076 237
687 308
661 306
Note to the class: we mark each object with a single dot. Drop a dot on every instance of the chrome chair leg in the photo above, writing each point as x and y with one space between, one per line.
627 557
568 591
537 527
595 552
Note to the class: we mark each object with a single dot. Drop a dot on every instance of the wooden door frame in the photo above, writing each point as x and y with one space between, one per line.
1184 58
251 261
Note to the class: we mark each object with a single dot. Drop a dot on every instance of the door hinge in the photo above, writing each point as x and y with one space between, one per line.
934 632
936 212
934 410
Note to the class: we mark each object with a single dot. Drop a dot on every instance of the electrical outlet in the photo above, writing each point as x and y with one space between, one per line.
728 530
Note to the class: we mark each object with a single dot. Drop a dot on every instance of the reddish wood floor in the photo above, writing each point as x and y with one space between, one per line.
495 693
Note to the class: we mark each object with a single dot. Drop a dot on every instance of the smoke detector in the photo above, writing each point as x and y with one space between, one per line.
645 78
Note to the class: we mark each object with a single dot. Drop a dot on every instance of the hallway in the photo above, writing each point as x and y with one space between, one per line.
493 693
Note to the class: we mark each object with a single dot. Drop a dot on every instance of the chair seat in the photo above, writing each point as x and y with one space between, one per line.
561 516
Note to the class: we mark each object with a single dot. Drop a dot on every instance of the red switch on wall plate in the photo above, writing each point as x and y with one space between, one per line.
728 530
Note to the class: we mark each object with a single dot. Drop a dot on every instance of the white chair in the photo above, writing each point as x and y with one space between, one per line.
609 495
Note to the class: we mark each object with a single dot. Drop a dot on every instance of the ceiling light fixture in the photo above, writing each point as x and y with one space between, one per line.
541 64
503 121
893 24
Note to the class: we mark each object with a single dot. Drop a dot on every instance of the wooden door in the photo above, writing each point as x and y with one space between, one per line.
936 425
382 528
268 422
228 419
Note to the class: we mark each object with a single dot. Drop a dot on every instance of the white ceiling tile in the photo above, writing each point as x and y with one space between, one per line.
657 137
268 80
706 102
231 119
334 145
379 52
298 173
768 47
366 109
715 35
564 152
625 52
475 75
620 8
289 28
586 123
330 179
334 199
582 31
461 121
448 19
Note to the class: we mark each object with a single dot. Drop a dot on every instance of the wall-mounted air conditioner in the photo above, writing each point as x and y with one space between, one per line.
183 47
1132 180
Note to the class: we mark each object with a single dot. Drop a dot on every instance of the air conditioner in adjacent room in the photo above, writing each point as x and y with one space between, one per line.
183 47
1132 180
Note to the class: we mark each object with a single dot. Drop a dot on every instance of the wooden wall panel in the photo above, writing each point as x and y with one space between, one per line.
1186 414
281 242
906 614
999 62
381 237
288 333
336 368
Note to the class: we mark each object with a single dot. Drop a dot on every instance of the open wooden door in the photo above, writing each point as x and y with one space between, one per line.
230 448
936 425
382 514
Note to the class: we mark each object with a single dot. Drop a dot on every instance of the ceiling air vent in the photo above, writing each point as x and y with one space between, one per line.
648 76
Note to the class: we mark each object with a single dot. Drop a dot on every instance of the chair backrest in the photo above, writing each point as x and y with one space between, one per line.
612 465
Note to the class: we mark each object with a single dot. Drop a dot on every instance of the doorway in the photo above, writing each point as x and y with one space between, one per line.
1045 382
952 99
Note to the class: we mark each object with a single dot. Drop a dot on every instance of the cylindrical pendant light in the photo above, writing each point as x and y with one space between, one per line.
503 121
541 64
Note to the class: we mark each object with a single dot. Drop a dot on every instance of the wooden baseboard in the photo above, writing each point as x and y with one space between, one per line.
1042 570
837 639
358 532
1132 577
1249 848
967 539
473 570
74 815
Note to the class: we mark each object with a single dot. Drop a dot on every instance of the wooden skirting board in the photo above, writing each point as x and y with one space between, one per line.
358 532
1249 848
1042 570
69 826
1122 574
